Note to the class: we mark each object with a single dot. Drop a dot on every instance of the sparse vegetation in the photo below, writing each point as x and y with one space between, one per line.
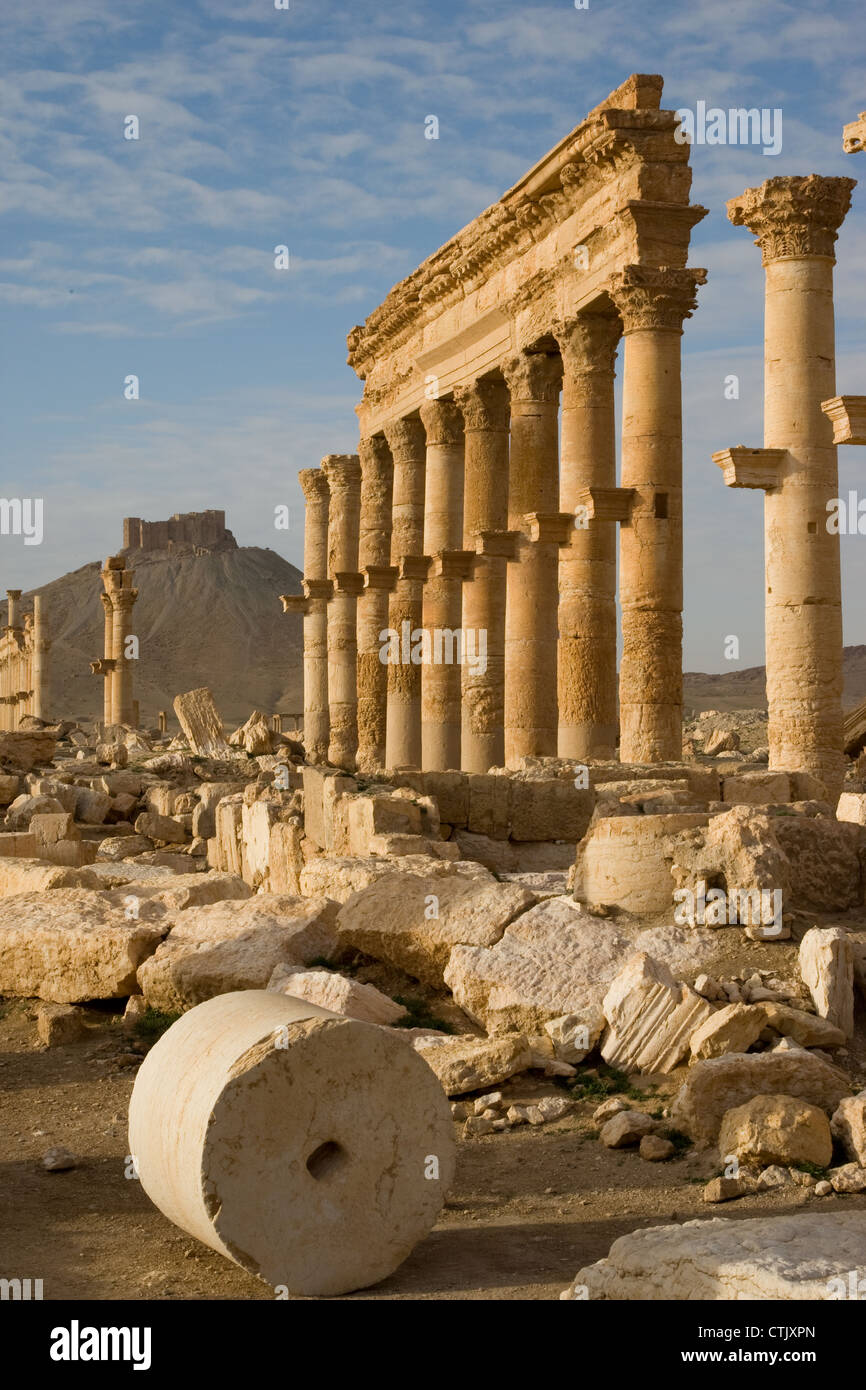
418 1015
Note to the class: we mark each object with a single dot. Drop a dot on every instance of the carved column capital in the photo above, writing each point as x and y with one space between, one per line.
314 485
794 217
343 472
533 376
485 405
443 422
375 456
655 297
406 439
588 343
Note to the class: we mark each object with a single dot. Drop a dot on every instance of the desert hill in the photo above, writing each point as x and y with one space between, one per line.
731 690
202 618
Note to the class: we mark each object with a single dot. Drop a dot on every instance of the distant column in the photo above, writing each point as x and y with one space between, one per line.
406 439
118 585
374 559
534 381
14 659
343 472
442 596
41 646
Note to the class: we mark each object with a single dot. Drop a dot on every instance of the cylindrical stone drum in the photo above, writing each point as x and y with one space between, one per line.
313 1150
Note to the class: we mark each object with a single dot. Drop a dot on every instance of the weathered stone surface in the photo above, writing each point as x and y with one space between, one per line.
160 828
230 946
18 844
733 1028
25 807
414 921
201 724
91 806
654 1149
827 968
9 787
626 861
552 960
204 813
852 807
756 788
59 1024
738 848
71 945
806 1029
848 1125
724 1189
35 876
339 994
719 1084
120 847
626 1129
467 1064
26 750
776 1129
823 854
651 1017
768 1258
849 1178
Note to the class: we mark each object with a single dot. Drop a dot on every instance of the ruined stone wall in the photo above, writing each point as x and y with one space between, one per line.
207 529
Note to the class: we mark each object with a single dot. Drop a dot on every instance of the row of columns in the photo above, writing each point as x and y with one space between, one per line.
23 648
462 518
115 666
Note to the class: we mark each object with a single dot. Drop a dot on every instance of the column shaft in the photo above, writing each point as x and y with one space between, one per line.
442 596
377 488
317 727
343 472
406 439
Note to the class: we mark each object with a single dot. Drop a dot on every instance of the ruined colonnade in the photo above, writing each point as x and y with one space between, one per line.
23 648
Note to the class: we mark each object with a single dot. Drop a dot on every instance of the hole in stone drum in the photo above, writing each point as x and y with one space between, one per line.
813 528
661 506
326 1160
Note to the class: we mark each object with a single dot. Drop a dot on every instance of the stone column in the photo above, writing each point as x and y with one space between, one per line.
343 472
442 596
14 662
317 723
41 646
486 411
123 596
406 440
374 559
162 721
653 304
795 221
587 566
534 381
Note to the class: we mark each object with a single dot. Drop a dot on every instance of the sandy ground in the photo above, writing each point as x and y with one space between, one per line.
528 1209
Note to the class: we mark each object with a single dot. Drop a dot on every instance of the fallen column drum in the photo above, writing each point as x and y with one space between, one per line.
313 1150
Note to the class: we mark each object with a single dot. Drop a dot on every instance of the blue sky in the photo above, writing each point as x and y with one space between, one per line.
305 127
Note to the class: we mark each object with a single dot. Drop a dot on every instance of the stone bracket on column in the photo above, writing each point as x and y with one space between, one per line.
854 135
380 577
753 468
295 603
318 588
500 545
555 527
414 566
453 564
848 417
103 667
606 503
348 582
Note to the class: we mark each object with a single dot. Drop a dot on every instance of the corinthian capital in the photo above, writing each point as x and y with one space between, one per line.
406 439
588 343
314 485
485 405
343 472
442 422
376 462
793 216
533 376
655 296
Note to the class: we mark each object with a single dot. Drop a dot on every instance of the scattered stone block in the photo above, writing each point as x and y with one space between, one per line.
776 1129
718 1084
848 1125
827 968
337 993
626 1129
650 1016
467 1064
624 861
733 1028
724 1190
164 829
654 1149
59 1024
851 1177
201 724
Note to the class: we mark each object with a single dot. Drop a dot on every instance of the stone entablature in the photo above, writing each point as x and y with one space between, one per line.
614 193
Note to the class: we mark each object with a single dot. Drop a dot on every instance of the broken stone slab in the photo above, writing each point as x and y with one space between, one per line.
9 787
848 1125
199 718
625 861
626 1129
738 848
684 950
164 829
468 1064
179 892
805 1256
18 844
651 1017
776 1129
229 946
550 961
25 807
733 1028
27 749
91 806
59 1024
315 1151
824 858
413 921
340 877
719 1084
71 945
35 876
806 1029
852 807
827 968
119 847
756 788
337 993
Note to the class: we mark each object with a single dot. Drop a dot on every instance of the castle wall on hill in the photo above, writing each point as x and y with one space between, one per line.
206 529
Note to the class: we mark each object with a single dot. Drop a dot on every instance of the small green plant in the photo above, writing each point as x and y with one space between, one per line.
418 1015
320 963
606 1081
813 1169
680 1141
153 1023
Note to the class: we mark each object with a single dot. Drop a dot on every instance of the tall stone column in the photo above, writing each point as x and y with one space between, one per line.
587 682
314 606
374 559
407 442
486 413
107 667
795 221
343 472
442 597
40 648
534 381
123 596
653 304
14 663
